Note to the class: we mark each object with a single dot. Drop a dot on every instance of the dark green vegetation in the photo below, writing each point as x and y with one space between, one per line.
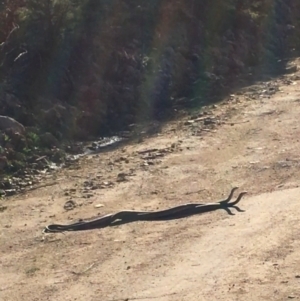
92 67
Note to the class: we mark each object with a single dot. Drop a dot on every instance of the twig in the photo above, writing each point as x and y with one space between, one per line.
231 123
208 130
37 187
84 271
20 55
193 192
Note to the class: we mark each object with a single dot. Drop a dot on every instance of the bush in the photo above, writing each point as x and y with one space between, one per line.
118 62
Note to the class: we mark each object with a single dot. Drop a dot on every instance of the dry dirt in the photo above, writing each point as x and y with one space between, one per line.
253 255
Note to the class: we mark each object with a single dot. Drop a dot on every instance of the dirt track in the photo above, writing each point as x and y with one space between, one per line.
249 256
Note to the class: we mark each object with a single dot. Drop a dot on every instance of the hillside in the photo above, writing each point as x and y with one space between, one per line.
75 70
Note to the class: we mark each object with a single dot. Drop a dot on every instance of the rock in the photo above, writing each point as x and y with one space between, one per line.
10 192
121 177
106 184
69 205
10 123
58 156
49 140
6 184
188 122
291 69
209 121
76 148
87 196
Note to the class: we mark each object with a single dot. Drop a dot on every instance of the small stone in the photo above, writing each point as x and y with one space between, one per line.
188 122
10 192
121 177
291 69
69 205
47 139
209 121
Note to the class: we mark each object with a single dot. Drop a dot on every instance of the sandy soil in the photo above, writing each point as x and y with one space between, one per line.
253 255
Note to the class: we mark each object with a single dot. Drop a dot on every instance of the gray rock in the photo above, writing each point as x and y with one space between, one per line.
10 192
49 140
10 123
69 205
291 69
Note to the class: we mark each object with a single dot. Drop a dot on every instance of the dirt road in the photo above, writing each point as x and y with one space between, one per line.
253 255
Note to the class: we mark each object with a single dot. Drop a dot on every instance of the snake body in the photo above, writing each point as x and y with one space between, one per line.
127 216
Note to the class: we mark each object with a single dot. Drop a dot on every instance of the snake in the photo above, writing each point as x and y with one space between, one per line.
127 216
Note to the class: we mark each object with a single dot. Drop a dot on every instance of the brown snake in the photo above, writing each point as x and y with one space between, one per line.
128 216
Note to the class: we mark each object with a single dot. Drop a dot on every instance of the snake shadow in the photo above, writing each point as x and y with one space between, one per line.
185 214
